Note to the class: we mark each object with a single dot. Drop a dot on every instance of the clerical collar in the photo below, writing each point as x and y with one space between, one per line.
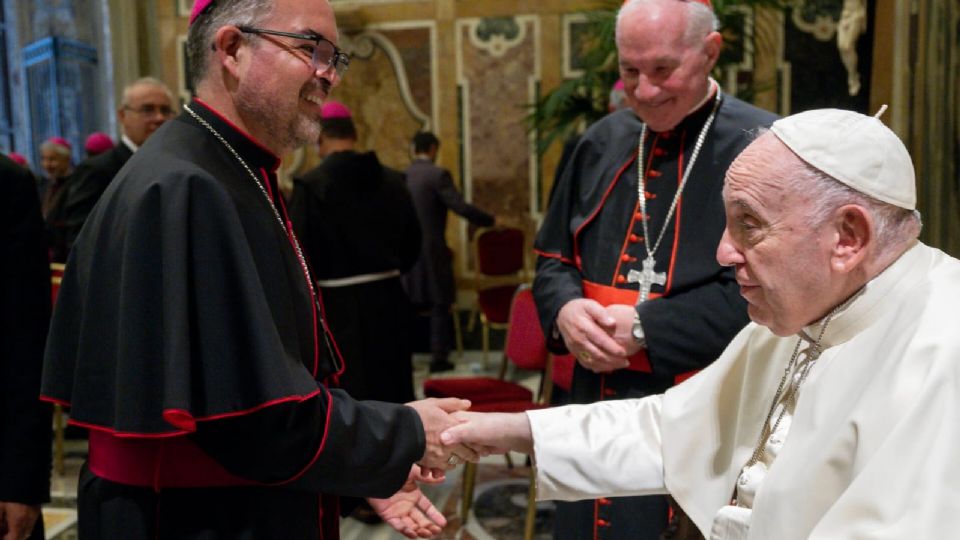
863 308
129 143
255 154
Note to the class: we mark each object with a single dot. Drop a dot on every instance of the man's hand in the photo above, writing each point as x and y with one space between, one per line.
434 414
491 433
587 331
17 520
624 316
409 511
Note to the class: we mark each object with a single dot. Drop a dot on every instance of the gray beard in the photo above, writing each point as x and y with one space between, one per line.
287 132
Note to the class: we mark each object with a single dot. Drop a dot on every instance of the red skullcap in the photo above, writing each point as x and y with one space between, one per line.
60 141
198 7
335 109
19 159
97 143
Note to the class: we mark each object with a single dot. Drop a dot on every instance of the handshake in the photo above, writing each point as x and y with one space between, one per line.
453 436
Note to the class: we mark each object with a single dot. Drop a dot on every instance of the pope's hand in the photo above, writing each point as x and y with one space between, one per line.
491 433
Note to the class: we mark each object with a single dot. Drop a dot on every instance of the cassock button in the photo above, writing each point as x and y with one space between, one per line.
627 258
653 173
609 392
621 278
647 195
659 152
603 523
634 239
603 501
639 216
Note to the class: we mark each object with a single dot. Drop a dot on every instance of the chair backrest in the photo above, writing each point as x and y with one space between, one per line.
499 251
525 344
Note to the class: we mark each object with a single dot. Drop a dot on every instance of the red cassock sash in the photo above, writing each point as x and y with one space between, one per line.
176 462
606 295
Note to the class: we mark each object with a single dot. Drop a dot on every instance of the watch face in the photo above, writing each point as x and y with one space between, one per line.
638 331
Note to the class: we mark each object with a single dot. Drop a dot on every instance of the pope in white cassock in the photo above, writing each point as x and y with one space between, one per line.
834 413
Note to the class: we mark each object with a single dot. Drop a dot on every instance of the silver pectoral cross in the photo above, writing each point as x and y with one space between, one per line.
646 279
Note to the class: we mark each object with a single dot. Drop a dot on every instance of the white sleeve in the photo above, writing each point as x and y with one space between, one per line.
606 449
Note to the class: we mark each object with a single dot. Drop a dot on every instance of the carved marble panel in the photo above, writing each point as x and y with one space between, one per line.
387 110
498 72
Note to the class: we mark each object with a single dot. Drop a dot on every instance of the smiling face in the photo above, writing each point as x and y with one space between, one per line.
664 70
782 263
55 161
279 94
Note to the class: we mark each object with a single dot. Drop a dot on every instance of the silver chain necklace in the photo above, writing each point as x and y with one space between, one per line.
812 354
648 276
263 189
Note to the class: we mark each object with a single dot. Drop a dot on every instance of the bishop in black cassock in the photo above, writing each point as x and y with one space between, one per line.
187 339
593 237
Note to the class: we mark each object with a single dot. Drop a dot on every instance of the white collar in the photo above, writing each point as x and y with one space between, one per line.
130 144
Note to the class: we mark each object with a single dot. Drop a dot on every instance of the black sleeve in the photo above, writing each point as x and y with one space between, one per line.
453 200
555 283
557 280
366 450
689 330
25 308
88 184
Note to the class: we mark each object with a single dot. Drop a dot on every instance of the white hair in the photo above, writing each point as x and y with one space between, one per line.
145 81
701 20
893 225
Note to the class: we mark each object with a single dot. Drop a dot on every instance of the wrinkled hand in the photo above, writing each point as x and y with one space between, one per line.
588 332
623 331
491 433
17 520
409 511
435 416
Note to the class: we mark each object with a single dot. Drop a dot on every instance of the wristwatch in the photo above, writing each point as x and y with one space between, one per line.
637 332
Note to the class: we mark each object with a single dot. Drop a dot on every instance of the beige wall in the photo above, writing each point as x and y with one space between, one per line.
442 65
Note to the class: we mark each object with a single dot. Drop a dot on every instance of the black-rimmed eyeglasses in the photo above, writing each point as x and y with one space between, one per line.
323 52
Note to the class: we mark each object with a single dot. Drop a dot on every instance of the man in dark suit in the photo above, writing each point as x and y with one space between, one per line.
24 315
147 104
430 282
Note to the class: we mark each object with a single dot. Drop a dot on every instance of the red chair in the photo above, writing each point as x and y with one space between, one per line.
563 371
526 349
501 263
525 346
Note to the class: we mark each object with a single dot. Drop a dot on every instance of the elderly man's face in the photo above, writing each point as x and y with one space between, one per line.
664 74
55 164
279 92
147 108
782 264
